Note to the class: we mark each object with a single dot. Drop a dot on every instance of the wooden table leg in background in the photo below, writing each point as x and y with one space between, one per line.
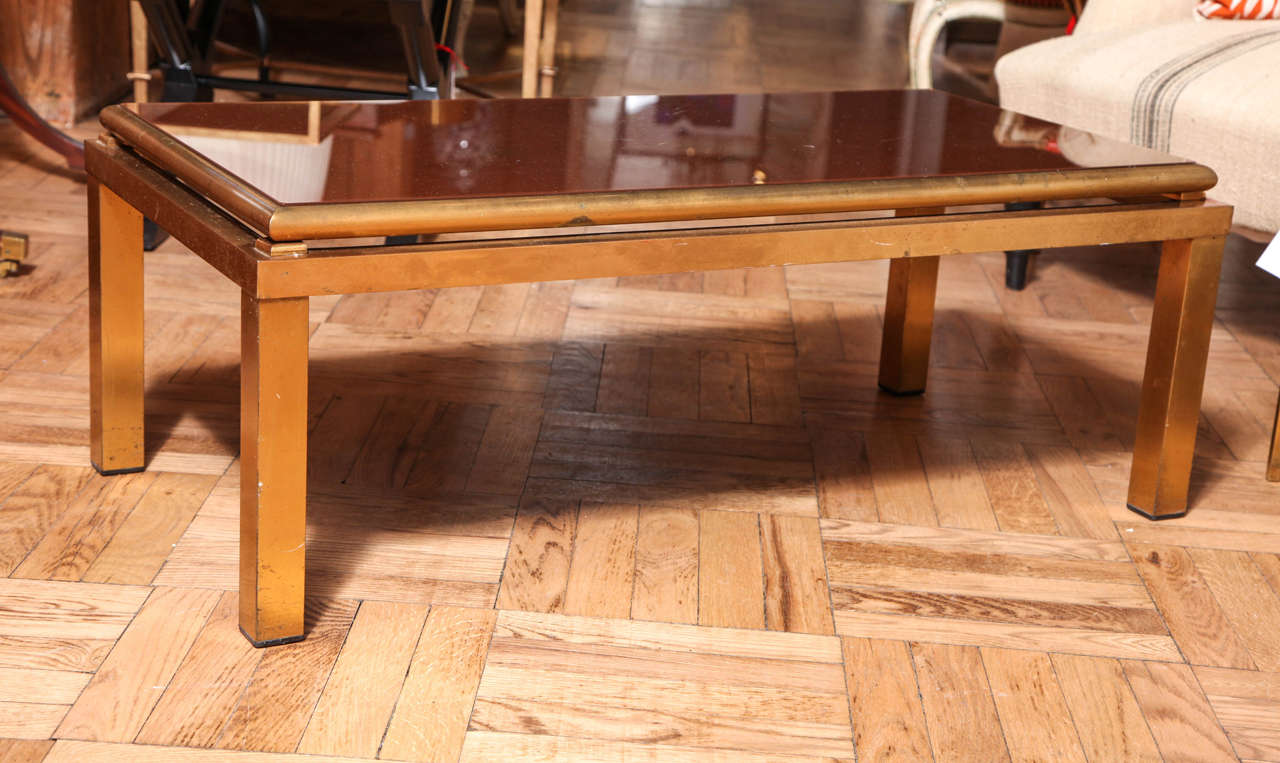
547 48
1177 353
541 20
908 320
532 46
115 333
1273 460
273 468
140 52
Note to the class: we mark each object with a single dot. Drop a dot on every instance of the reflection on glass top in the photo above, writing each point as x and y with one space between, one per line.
378 151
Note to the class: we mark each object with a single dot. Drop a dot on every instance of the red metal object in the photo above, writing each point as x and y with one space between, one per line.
13 104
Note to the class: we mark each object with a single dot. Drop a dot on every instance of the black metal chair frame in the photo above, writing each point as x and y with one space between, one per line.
185 45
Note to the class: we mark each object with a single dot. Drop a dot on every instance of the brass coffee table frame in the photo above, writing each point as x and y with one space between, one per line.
257 243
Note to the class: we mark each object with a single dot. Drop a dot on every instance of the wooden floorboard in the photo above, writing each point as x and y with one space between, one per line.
656 518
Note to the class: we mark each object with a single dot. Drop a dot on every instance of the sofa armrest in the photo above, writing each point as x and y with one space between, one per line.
1106 17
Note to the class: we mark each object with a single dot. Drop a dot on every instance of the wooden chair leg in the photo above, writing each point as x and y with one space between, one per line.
115 333
908 320
928 19
532 47
140 51
1273 460
273 469
547 48
1177 353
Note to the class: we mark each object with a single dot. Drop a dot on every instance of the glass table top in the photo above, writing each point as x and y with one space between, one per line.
308 152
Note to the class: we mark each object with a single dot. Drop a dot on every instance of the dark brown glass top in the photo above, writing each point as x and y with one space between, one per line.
306 152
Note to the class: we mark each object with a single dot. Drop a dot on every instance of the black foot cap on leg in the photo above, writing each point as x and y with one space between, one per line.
1153 517
152 235
1015 269
271 642
902 393
113 472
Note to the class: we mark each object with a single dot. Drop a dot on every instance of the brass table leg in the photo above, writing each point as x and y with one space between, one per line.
13 250
1273 460
1177 353
908 320
115 333
273 468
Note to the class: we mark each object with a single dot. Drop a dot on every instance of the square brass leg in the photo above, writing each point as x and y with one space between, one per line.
1273 460
115 333
273 468
13 250
908 320
1177 353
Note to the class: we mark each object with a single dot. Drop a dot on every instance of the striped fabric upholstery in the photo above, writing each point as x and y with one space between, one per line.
1104 17
1239 9
1207 91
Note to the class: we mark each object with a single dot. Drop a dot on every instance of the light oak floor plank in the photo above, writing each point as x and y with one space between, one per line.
30 720
272 712
1033 711
902 494
72 544
430 720
666 578
207 686
42 687
1105 713
1194 616
33 504
590 632
963 724
65 751
959 494
946 630
138 549
1177 712
484 746
795 576
888 719
602 573
360 696
24 750
1250 605
730 570
537 569
1247 702
44 609
120 698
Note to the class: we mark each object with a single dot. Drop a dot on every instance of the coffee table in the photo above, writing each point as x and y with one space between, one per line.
274 196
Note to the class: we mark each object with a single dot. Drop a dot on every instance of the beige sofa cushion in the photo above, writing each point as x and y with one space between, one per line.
1109 16
1204 90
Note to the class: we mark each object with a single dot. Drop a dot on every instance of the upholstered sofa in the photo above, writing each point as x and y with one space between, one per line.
1152 73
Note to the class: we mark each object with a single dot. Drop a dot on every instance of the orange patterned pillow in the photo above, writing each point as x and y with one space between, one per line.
1239 9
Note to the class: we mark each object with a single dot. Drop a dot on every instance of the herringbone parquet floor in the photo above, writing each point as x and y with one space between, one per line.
647 519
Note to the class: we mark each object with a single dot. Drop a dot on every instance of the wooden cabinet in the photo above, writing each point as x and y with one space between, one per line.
67 57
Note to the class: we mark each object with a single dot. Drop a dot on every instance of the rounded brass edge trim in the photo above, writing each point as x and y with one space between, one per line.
389 218
209 179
